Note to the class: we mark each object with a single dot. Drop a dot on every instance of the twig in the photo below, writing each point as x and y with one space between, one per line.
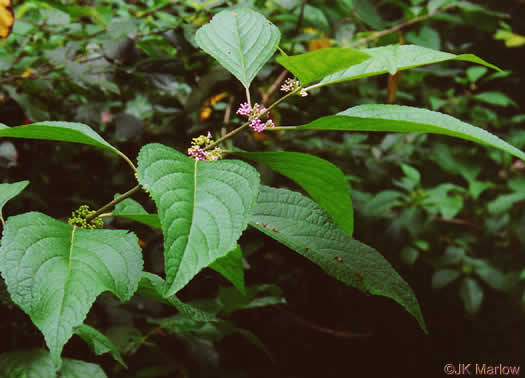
397 27
113 203
244 125
275 85
333 332
457 221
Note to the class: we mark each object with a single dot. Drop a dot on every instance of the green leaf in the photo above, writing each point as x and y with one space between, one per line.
444 277
434 5
241 40
471 294
494 98
34 363
449 205
368 13
427 37
99 342
37 363
131 209
297 222
382 203
58 131
203 207
517 184
474 73
504 203
54 271
388 118
8 191
256 296
493 277
152 286
476 187
231 267
393 58
411 173
319 178
77 368
315 65
409 255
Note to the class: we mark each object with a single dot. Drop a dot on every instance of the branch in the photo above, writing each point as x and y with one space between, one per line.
397 27
244 125
316 327
113 203
275 85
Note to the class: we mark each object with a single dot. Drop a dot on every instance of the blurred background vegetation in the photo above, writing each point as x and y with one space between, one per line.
448 214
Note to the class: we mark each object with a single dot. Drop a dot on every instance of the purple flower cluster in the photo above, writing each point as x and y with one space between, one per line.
254 115
197 153
198 145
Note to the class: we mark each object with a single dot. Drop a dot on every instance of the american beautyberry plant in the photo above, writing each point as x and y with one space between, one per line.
206 198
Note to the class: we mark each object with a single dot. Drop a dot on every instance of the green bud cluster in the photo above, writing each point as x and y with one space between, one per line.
146 190
78 218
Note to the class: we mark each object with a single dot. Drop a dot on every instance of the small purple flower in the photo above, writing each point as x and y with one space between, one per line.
258 110
197 153
269 123
245 109
257 125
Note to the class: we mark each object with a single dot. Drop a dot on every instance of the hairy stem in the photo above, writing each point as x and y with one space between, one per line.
113 203
244 125
248 99
397 27
127 161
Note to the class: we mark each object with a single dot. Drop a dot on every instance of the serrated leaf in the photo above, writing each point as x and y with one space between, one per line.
299 223
393 58
37 363
58 131
152 286
131 209
77 368
203 207
55 271
471 294
319 178
315 65
231 267
241 40
8 191
396 118
34 363
99 342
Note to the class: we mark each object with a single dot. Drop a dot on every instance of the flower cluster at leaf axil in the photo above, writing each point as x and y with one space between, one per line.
78 218
254 116
197 149
291 85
